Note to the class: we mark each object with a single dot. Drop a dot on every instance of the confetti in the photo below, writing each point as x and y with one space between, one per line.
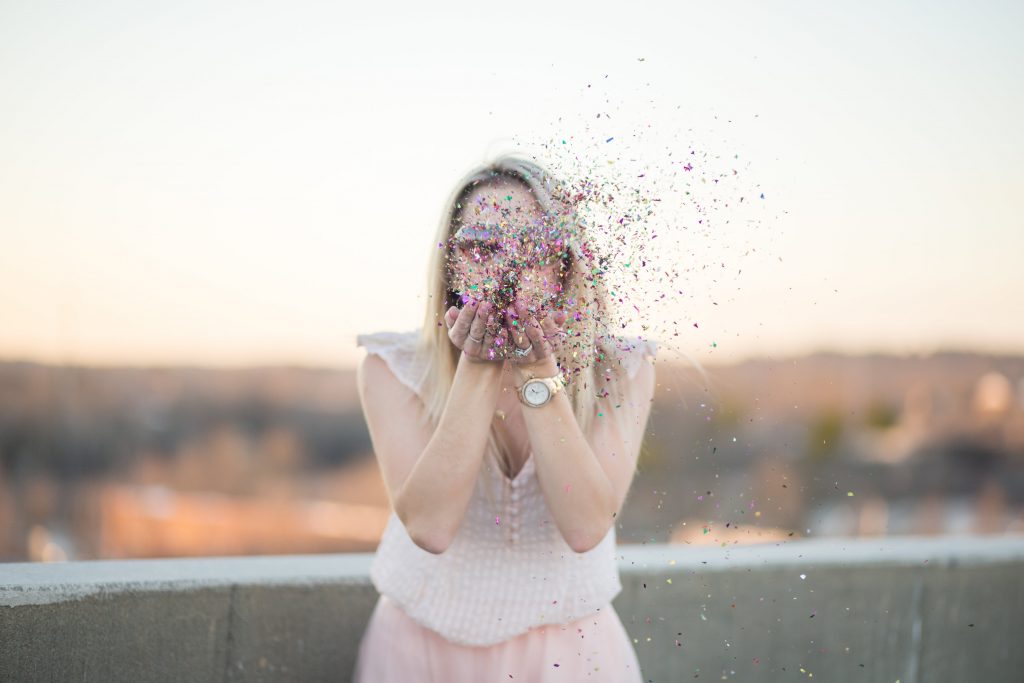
624 247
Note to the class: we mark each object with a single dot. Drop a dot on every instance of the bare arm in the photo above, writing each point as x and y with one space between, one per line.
434 498
430 474
584 480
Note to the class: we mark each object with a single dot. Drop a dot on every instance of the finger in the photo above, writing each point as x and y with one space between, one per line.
541 347
450 315
514 328
517 336
477 330
460 329
489 335
522 318
550 328
501 343
553 328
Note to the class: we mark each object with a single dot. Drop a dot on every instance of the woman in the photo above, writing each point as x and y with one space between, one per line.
507 431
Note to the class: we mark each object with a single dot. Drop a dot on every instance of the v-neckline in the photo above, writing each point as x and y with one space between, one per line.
526 463
519 475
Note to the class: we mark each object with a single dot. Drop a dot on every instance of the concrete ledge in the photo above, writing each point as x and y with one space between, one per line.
907 608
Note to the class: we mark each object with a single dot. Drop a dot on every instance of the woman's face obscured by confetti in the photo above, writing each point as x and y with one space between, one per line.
504 246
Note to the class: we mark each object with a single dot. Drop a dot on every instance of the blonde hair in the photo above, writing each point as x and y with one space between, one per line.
583 292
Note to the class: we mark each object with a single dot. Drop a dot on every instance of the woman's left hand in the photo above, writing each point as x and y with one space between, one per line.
541 338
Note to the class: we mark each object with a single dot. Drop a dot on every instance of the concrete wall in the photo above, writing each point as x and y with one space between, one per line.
887 609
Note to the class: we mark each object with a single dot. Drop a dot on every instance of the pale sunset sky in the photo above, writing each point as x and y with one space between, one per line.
249 183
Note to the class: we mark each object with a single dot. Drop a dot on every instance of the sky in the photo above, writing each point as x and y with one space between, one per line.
236 184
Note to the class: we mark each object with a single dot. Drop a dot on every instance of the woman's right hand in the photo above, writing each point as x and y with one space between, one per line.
475 331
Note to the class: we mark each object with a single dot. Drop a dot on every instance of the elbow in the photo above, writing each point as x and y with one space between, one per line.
586 542
580 546
588 539
432 543
428 539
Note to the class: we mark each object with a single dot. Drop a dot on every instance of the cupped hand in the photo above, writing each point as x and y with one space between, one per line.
473 329
540 339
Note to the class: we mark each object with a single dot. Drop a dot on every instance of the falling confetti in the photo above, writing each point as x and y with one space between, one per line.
636 220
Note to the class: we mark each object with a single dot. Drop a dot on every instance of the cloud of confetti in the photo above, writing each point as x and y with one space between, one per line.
673 211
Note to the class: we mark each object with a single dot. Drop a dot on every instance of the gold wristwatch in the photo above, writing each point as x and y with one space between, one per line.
537 391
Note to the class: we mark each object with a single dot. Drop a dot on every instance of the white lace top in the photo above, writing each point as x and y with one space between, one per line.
508 568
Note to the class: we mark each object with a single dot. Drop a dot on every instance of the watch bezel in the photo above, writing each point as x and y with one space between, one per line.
542 382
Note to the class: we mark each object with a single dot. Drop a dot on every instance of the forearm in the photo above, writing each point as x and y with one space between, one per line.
577 491
435 495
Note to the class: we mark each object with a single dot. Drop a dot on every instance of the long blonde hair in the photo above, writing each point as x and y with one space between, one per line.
593 378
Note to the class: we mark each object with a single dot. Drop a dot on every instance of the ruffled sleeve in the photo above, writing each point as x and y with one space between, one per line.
633 351
398 349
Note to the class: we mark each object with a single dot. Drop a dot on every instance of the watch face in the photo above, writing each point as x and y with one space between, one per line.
536 393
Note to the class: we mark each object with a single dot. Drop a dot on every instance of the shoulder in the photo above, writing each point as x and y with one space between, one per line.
374 370
632 357
627 373
641 376
384 372
377 383
638 382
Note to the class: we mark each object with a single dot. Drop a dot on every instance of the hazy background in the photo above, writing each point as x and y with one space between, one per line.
201 206
214 183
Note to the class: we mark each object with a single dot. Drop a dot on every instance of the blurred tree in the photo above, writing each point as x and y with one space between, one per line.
729 414
881 414
824 431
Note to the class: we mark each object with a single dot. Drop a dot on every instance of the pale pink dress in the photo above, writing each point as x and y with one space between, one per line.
396 648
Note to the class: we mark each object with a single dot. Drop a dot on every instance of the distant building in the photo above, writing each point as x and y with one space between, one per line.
993 395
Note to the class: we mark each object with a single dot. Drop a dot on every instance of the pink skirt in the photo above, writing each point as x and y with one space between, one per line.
394 649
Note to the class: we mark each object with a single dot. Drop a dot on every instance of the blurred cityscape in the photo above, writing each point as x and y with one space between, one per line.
161 462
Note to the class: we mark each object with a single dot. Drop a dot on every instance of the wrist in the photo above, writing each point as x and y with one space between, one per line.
543 368
480 366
